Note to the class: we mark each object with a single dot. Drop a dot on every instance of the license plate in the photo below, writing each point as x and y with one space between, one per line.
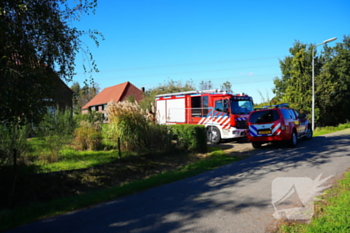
265 132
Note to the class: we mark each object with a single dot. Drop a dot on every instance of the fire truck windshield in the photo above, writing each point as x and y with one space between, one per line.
241 106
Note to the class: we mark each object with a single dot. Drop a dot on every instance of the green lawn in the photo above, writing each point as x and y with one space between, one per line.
69 158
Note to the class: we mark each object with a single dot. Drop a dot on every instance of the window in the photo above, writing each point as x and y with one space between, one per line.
292 113
196 106
264 116
221 105
218 105
199 106
241 106
286 114
205 105
296 113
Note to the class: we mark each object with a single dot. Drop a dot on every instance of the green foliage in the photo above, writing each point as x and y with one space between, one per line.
227 86
88 136
38 46
13 136
91 117
169 86
191 137
82 95
131 98
137 133
55 130
332 81
333 84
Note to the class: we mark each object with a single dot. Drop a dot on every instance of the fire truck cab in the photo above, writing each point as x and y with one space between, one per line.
223 114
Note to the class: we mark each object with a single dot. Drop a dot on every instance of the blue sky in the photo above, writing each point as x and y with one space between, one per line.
149 42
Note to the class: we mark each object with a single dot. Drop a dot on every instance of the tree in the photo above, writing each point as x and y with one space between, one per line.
169 86
37 46
332 85
295 85
82 95
226 86
205 85
332 81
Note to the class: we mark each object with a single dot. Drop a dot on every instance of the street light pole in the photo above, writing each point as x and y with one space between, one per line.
313 80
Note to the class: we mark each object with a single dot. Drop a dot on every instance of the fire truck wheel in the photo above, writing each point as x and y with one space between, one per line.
213 135
256 145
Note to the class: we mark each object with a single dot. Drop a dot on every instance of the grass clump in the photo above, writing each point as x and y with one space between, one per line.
137 133
88 136
13 142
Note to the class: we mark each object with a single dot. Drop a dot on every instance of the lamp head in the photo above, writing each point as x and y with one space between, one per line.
329 40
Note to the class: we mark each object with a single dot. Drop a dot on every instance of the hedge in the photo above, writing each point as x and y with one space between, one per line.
190 137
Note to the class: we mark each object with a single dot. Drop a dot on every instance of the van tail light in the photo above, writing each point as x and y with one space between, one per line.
283 127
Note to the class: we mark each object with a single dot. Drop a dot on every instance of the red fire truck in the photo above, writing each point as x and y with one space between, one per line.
223 114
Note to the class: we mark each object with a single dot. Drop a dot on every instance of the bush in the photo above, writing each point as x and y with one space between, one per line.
191 137
88 136
136 131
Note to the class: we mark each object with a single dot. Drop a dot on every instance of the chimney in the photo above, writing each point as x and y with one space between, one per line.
142 89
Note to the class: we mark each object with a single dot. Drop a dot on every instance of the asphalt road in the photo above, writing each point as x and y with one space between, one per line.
233 198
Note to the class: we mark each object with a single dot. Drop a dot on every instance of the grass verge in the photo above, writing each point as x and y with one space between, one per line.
331 212
19 216
330 129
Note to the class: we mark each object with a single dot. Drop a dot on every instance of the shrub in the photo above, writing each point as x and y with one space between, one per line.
191 137
88 136
136 131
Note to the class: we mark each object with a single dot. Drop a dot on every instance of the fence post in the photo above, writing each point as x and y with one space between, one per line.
14 161
119 153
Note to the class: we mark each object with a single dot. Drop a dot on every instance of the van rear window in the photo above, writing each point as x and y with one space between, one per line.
267 116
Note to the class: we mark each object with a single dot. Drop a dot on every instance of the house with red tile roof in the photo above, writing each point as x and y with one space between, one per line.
116 93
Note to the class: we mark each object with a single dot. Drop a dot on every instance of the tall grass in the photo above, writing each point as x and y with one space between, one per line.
88 136
13 142
137 132
55 130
